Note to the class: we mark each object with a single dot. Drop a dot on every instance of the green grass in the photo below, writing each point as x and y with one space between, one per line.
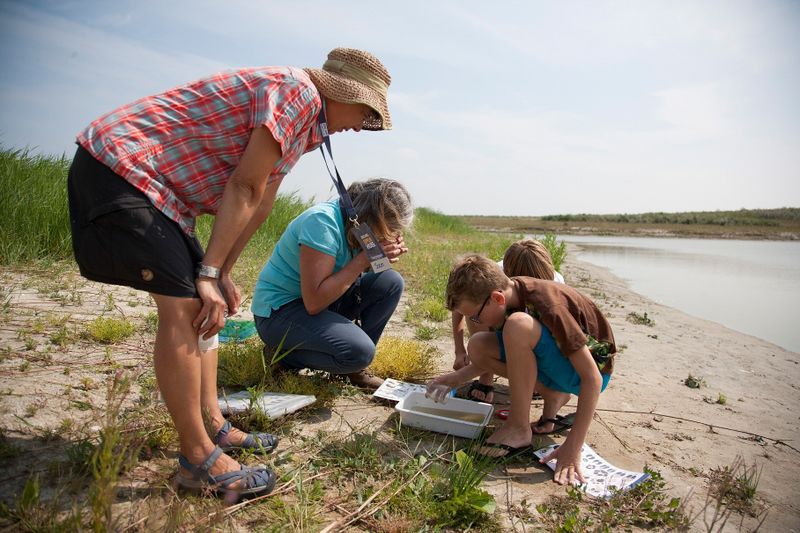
434 244
33 201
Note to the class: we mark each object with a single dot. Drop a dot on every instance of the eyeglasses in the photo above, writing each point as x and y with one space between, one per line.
476 318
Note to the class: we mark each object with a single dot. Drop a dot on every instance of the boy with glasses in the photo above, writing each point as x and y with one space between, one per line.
545 335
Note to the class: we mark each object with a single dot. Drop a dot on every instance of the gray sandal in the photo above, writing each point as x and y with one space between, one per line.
256 481
255 442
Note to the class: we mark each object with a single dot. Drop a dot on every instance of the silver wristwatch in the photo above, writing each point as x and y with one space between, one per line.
206 271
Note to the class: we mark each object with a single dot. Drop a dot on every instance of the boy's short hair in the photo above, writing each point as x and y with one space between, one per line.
472 278
528 258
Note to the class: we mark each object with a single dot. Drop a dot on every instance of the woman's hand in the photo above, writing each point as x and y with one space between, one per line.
211 317
231 293
394 248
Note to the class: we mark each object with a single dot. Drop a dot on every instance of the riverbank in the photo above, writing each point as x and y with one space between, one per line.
784 231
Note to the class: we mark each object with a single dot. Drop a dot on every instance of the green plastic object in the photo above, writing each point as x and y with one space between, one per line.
237 330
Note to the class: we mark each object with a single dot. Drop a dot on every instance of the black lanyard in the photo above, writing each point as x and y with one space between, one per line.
347 203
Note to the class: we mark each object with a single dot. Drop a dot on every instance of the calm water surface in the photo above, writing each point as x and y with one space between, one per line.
750 286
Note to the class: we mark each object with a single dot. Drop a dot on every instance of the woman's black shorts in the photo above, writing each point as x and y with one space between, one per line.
119 237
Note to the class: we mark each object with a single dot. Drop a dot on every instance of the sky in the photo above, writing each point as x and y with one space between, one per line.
499 108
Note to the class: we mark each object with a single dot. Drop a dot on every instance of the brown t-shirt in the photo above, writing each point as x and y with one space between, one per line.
569 315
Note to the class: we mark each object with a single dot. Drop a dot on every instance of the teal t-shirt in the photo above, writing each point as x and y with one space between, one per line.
320 227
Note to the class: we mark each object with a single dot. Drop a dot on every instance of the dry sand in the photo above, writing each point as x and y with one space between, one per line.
647 416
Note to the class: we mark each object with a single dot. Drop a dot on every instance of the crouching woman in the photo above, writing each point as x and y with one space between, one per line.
316 295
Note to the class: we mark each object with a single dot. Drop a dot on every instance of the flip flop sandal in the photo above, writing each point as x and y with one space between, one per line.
255 481
254 442
478 386
560 423
510 451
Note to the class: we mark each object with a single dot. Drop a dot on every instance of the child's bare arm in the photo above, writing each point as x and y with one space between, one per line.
461 359
568 454
457 378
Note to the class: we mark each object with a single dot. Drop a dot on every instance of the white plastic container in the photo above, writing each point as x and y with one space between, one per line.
410 416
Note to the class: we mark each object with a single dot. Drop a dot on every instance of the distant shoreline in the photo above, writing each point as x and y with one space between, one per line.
535 225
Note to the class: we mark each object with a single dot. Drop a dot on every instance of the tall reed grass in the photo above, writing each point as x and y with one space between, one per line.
34 220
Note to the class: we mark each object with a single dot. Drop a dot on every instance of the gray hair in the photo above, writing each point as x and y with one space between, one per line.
384 204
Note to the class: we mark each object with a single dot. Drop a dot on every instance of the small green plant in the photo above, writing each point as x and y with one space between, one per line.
431 309
459 500
647 505
151 322
62 337
32 408
694 382
403 359
109 330
557 249
640 319
30 343
115 452
735 486
721 399
110 304
426 333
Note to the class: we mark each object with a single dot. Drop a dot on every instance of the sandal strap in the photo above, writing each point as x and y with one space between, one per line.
255 441
223 432
201 471
251 478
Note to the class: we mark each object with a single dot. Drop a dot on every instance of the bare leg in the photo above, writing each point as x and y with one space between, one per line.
208 397
520 334
486 378
178 371
553 401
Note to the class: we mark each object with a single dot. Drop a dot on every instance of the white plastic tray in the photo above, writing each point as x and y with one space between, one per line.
441 424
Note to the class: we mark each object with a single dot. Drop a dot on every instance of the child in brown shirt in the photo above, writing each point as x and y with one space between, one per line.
572 344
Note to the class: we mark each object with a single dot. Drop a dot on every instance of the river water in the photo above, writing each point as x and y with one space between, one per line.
749 286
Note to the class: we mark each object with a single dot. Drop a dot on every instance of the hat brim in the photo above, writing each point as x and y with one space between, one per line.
346 90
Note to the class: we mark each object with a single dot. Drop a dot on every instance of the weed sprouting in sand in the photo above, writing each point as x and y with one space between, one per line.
735 486
109 330
458 500
640 319
647 505
694 382
115 452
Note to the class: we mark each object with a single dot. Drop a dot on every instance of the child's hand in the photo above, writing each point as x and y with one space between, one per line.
439 388
438 392
568 464
462 360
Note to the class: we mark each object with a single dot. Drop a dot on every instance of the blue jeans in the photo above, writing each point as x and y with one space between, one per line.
330 341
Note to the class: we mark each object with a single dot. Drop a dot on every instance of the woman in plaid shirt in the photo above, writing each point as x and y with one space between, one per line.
220 145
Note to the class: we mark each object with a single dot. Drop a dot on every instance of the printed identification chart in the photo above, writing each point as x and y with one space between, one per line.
600 475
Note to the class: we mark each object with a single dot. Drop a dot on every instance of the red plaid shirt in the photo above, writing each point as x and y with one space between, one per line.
180 147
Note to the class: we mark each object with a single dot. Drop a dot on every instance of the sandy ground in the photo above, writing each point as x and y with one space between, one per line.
647 416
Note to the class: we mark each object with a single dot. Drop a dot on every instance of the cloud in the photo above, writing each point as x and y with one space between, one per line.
696 112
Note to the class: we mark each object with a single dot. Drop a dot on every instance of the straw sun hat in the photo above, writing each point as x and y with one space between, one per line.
355 77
